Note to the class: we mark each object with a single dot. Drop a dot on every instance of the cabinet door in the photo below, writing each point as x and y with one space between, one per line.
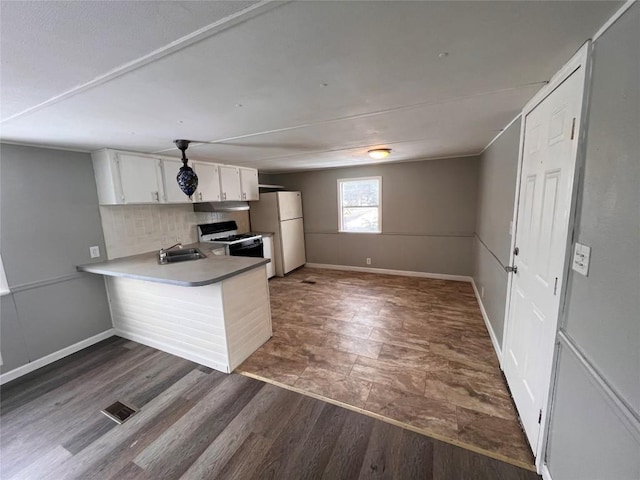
140 179
249 184
230 183
172 192
208 182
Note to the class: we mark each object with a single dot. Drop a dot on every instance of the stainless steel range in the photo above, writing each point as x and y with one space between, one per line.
225 235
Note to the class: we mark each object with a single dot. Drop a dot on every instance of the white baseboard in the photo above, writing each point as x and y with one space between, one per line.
492 334
546 474
385 271
52 357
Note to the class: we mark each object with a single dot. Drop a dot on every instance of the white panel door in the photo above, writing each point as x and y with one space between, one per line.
289 205
546 186
292 240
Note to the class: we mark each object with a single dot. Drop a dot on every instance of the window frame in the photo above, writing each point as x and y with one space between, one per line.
341 228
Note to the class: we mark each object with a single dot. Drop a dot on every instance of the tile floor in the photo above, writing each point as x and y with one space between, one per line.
413 351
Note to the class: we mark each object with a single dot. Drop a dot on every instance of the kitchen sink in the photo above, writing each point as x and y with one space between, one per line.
183 255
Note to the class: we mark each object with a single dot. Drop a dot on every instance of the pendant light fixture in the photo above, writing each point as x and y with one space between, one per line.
187 178
379 153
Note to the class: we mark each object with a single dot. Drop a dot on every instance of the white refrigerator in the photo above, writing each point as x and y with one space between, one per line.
281 213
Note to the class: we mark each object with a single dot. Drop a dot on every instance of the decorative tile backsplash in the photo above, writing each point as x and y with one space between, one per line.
133 229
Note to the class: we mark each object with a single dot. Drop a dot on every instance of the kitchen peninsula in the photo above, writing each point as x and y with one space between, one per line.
214 311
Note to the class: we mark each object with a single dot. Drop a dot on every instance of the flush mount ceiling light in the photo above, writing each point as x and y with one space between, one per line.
379 153
187 178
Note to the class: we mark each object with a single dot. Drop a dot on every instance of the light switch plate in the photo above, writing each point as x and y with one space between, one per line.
94 251
581 257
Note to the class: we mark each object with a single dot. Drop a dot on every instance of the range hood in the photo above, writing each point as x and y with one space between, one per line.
220 206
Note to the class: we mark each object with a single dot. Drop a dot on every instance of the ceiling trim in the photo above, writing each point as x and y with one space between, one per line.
48 147
356 116
343 149
370 164
179 44
504 129
613 19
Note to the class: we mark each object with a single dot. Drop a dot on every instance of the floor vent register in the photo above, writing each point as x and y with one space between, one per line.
119 412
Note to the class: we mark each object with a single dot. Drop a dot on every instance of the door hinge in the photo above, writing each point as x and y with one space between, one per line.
540 417
573 128
555 286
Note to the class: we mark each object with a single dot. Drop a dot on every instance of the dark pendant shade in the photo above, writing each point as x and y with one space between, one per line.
187 180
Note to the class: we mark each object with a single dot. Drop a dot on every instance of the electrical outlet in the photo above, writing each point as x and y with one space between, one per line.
581 257
368 261
94 251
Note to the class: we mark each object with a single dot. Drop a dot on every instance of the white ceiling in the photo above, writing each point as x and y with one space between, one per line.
280 86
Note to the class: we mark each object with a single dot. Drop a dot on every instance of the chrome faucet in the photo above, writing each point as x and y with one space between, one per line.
162 254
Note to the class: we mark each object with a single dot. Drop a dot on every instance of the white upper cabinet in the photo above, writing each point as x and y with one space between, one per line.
141 179
249 184
124 178
230 183
208 182
172 192
129 178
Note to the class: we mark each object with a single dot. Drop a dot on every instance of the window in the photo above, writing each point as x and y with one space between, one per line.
359 204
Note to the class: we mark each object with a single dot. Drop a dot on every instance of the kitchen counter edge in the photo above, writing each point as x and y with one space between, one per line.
213 269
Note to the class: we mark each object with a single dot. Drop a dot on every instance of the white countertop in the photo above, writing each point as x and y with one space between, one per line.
195 273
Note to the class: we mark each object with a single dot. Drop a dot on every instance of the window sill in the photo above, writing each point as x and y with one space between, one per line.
366 233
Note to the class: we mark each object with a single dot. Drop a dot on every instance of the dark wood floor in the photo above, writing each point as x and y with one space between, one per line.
197 423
